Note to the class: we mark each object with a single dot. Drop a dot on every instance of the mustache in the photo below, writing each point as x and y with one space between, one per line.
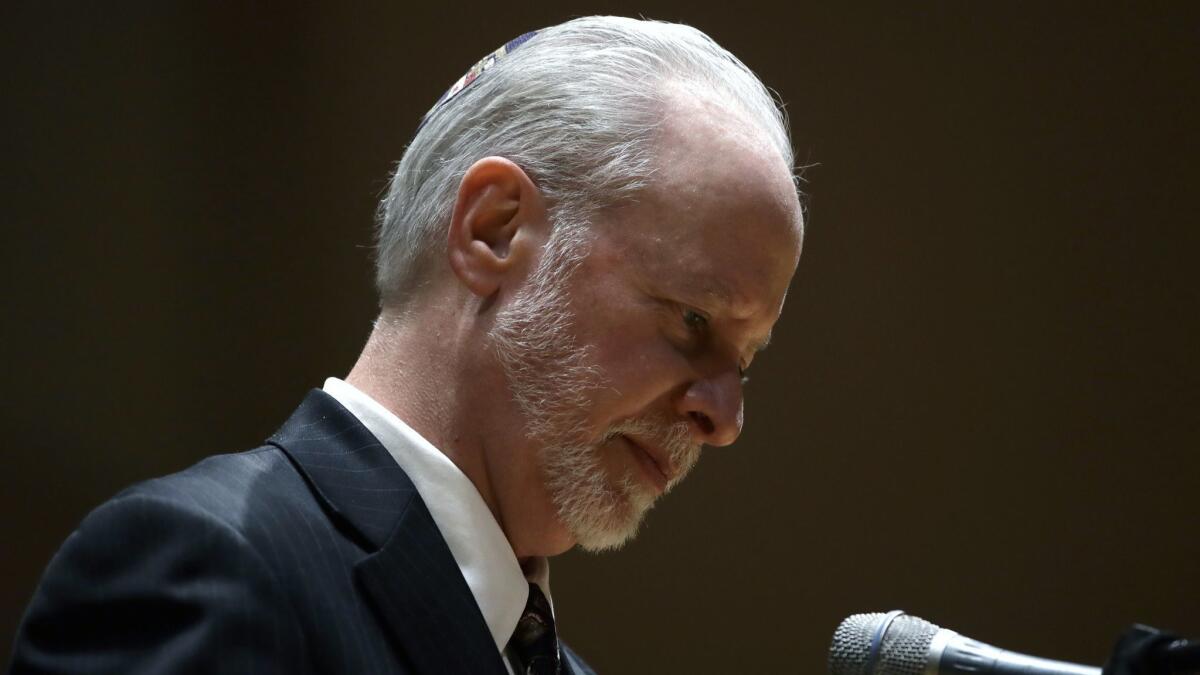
673 436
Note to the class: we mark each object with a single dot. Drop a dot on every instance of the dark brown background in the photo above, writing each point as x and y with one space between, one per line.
981 404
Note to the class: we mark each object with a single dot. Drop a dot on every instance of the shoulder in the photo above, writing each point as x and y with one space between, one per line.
221 486
220 497
166 572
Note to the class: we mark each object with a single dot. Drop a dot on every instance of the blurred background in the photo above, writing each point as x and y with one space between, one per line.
981 404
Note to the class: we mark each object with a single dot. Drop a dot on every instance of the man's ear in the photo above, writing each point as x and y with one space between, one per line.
498 224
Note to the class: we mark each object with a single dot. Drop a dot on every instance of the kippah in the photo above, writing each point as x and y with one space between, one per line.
482 66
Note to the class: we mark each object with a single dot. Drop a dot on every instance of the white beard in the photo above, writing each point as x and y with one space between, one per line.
552 381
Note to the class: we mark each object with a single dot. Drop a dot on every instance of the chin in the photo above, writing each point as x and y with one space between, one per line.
612 522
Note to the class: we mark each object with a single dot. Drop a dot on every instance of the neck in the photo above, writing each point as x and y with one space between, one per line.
428 368
411 366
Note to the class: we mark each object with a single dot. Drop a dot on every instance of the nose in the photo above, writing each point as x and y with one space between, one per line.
713 407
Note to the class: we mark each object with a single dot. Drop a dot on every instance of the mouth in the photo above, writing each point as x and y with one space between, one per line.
654 463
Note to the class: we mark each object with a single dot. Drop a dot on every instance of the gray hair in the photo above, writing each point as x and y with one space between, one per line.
576 107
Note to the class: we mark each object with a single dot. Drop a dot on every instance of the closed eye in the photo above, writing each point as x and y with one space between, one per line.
694 320
697 323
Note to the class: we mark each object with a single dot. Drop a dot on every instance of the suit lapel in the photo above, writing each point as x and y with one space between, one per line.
426 602
409 574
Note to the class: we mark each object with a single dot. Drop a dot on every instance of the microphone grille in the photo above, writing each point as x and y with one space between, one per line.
903 650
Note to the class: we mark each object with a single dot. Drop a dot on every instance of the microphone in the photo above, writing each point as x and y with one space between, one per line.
899 644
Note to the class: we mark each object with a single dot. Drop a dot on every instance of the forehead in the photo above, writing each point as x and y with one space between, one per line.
721 220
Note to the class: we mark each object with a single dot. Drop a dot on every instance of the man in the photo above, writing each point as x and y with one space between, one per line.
582 249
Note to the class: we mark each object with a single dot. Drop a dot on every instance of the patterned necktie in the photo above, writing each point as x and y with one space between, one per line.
534 642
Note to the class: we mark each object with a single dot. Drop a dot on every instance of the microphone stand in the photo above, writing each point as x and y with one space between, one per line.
1142 650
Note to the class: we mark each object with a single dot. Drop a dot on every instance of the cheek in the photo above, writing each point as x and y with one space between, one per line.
640 368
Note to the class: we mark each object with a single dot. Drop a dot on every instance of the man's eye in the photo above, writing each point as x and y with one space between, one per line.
742 374
694 320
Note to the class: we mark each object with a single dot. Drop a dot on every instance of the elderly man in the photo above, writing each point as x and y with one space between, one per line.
585 244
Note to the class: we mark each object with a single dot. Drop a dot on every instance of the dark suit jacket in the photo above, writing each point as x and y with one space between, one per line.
311 554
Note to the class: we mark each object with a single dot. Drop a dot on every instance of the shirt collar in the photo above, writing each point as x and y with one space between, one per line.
483 554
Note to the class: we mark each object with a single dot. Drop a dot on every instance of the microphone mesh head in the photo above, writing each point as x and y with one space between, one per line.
903 651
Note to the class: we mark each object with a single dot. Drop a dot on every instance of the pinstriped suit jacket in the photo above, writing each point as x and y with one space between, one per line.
311 554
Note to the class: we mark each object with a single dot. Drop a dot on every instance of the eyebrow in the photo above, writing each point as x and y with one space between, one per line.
718 294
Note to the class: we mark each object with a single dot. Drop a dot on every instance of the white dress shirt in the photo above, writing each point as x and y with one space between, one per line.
475 539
